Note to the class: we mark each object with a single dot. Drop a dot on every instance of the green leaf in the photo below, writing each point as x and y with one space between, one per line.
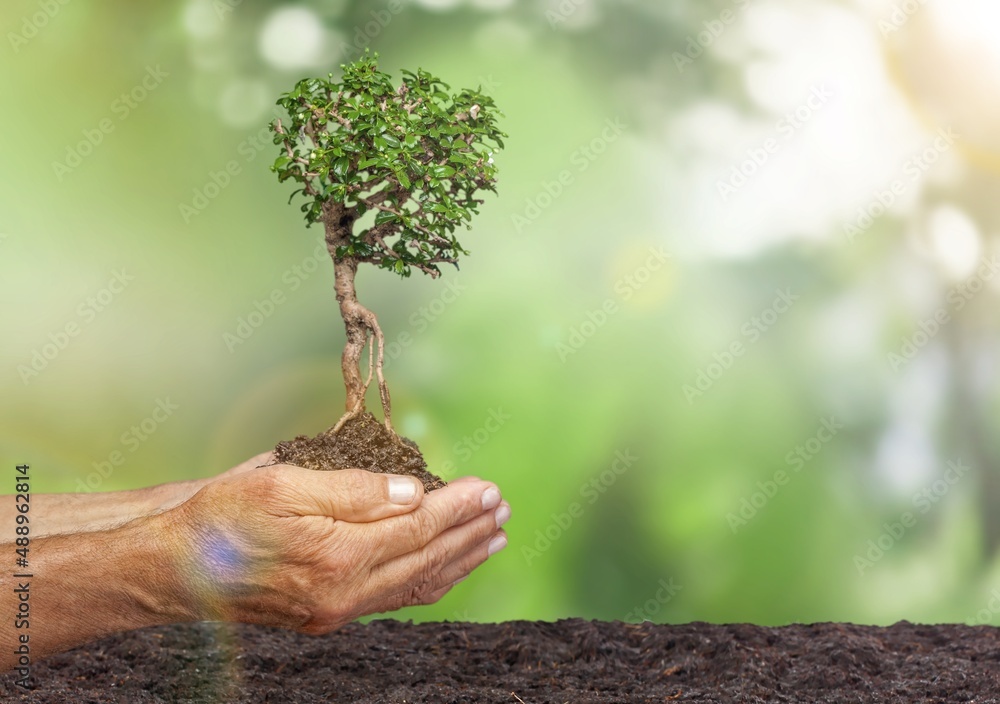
384 216
341 165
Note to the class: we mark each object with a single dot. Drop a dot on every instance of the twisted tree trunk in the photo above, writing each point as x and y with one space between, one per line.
357 332
359 323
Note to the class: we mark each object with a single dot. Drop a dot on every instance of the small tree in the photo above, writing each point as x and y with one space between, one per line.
412 158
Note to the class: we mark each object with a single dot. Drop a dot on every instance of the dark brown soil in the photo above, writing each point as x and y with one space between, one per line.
362 443
580 662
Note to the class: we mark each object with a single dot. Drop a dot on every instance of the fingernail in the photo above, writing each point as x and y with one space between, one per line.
502 514
402 490
497 544
491 498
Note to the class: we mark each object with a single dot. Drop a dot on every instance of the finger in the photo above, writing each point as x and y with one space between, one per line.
460 568
451 575
435 596
439 511
424 566
352 495
413 597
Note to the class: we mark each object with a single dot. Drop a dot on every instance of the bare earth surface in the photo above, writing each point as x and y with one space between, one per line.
573 661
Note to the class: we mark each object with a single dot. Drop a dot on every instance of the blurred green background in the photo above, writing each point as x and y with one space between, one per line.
737 256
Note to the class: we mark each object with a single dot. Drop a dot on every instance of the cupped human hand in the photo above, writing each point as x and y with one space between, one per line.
292 547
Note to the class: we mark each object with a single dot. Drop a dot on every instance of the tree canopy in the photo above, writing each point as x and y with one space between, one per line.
417 154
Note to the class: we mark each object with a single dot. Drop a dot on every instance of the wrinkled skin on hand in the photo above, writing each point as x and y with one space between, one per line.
292 547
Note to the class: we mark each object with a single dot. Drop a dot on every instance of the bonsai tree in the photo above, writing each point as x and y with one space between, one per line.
391 173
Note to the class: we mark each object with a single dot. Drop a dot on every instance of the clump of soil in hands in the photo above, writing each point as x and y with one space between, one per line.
362 442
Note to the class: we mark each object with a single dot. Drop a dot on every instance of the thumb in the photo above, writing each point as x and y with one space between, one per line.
353 495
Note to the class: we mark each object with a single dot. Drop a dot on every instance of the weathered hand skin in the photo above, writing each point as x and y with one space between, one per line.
275 545
287 546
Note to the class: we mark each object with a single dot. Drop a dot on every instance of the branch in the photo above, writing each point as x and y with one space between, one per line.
431 271
402 215
307 187
345 123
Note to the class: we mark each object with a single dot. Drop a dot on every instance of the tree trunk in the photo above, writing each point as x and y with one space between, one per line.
357 333
359 322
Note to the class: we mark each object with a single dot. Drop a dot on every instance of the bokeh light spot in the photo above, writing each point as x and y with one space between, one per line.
292 37
954 240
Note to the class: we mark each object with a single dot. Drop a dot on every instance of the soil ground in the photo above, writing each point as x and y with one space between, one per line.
577 662
362 443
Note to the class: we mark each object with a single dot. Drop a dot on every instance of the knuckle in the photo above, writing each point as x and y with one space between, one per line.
426 523
415 596
323 622
356 481
431 563
350 557
327 616
432 597
437 558
483 529
398 601
426 595
264 482
357 489
313 628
